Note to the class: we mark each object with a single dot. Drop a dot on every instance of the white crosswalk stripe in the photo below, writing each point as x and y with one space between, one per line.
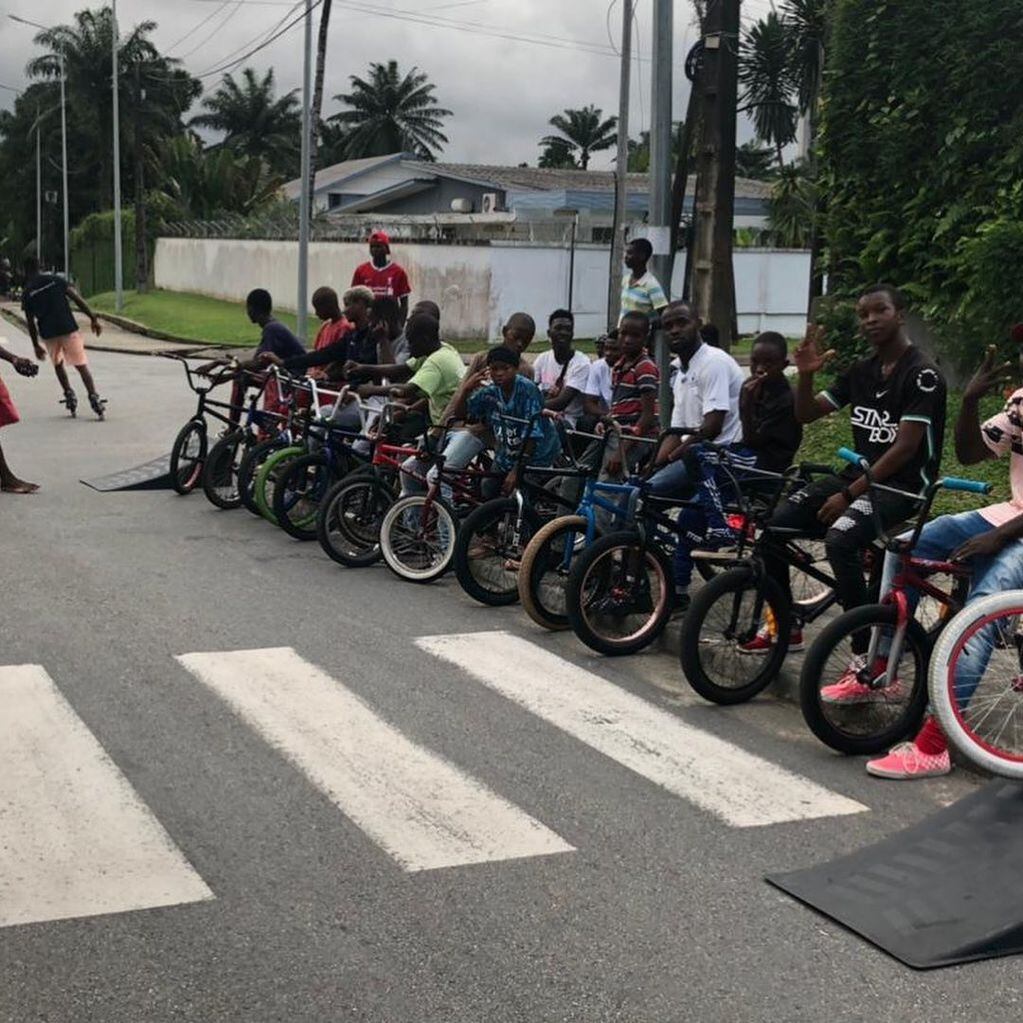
75 839
419 808
742 789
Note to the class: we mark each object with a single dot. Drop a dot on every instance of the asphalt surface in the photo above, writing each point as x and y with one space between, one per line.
659 914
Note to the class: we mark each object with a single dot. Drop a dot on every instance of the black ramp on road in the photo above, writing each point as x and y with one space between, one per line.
947 890
154 475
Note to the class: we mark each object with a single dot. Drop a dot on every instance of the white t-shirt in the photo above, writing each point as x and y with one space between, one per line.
711 383
599 383
548 373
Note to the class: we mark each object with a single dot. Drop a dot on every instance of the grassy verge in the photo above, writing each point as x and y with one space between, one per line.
194 317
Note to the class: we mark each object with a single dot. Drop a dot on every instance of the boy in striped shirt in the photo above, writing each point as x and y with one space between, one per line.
641 291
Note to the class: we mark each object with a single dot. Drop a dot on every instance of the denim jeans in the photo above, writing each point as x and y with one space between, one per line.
460 448
1002 571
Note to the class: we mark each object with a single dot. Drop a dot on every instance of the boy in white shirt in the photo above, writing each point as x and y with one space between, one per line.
562 373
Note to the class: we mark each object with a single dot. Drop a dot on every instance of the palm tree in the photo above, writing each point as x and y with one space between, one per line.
254 120
768 82
584 131
391 113
314 117
754 161
790 216
556 154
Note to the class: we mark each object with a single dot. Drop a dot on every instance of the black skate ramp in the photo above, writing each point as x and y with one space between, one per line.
154 475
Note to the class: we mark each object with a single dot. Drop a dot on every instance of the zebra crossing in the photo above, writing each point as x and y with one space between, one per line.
78 841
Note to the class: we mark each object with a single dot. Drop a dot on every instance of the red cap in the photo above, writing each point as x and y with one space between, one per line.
381 237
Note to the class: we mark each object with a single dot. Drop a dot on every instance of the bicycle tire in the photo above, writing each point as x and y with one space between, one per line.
186 465
354 544
298 517
998 615
702 655
220 472
494 585
249 467
596 568
542 599
850 728
409 554
267 476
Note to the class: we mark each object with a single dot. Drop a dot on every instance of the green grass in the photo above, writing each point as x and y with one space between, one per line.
194 317
822 439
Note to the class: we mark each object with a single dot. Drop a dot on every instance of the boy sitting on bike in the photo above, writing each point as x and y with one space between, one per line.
897 398
989 539
510 406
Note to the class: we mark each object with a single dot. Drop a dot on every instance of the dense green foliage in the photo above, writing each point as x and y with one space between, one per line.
582 133
923 159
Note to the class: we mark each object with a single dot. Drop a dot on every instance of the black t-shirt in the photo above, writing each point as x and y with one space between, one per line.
45 300
776 435
913 392
357 346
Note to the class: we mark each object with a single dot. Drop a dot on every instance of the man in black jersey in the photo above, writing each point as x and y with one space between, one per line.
897 402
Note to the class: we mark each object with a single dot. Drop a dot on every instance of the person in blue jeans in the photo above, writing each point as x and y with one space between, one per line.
990 540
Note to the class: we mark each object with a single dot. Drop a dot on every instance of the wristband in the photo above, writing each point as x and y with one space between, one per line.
847 494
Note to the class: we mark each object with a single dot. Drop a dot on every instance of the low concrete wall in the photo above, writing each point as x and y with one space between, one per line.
477 287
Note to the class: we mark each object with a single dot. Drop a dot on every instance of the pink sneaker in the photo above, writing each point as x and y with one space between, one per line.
906 762
850 690
761 643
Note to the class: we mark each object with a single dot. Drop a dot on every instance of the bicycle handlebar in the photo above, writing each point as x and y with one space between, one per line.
969 486
850 456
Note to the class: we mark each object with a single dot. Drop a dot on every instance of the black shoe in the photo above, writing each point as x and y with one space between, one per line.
70 400
98 404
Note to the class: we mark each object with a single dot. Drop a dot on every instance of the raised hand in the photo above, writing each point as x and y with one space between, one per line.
808 357
988 377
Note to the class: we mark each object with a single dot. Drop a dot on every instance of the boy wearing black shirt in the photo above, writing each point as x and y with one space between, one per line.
897 401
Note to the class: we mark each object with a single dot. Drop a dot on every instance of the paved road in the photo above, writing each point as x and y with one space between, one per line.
371 822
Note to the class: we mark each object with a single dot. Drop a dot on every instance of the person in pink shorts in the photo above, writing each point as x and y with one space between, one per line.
46 302
9 483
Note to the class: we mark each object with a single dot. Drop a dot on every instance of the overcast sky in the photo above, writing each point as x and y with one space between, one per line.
502 90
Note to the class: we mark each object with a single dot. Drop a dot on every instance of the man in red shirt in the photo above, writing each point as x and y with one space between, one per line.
384 278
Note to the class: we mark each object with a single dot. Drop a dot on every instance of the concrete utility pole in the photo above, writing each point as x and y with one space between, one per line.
614 284
39 190
63 165
118 254
659 231
713 274
304 211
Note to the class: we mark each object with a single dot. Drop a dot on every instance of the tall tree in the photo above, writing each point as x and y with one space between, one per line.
389 112
586 131
754 161
556 154
768 83
317 106
256 121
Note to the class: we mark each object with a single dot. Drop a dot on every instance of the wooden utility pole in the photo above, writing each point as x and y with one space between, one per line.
713 274
614 283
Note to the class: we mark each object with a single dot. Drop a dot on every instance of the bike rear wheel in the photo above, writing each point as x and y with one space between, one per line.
489 550
220 472
349 521
855 707
976 683
417 538
546 563
619 594
726 613
188 454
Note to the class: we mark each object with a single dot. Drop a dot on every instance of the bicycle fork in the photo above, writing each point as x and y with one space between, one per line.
893 654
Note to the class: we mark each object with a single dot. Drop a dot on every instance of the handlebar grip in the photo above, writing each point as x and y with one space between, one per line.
969 486
851 456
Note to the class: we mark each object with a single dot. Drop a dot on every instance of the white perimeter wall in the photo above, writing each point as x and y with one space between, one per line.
477 287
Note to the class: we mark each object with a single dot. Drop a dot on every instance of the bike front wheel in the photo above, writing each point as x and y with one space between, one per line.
619 594
853 695
249 468
349 521
266 479
546 563
300 488
489 549
220 473
725 615
188 455
417 538
976 683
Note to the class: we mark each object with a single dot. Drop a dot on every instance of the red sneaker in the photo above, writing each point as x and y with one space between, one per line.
849 690
762 643
906 762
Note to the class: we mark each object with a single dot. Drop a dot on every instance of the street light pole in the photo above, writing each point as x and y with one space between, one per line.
39 189
118 255
304 211
63 149
614 286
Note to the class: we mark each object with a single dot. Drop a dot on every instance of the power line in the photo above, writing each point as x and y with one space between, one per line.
191 32
209 38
